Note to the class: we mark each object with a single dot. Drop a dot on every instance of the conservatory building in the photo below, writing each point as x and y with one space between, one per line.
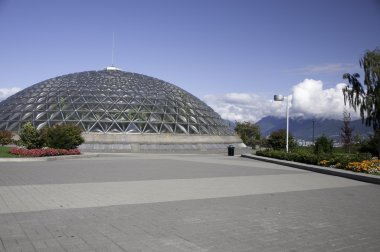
120 111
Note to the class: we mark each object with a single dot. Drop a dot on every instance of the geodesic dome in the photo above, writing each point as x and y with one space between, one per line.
111 101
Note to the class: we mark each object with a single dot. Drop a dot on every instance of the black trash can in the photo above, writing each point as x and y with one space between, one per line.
231 150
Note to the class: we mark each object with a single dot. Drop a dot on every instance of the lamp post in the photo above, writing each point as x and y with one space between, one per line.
282 98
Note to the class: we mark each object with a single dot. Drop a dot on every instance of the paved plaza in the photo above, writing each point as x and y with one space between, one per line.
156 202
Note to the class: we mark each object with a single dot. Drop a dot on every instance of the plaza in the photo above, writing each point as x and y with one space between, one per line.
182 202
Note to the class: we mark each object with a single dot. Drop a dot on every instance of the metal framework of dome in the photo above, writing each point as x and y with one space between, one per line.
111 101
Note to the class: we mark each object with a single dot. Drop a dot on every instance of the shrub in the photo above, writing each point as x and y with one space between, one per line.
63 136
30 137
323 144
5 137
302 157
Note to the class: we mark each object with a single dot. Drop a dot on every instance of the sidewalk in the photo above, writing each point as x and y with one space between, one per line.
374 179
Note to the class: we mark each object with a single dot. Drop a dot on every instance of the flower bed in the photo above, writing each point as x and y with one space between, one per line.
367 166
43 152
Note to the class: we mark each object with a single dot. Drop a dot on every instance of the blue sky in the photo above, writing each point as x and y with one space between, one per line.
233 54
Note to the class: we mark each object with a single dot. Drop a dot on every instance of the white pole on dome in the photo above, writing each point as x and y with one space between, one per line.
113 46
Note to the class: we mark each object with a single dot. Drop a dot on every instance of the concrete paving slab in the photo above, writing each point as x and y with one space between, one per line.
182 203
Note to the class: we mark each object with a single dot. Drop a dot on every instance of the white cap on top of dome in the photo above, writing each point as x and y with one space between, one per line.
112 68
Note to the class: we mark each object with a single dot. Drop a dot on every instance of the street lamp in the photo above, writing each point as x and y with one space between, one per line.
282 98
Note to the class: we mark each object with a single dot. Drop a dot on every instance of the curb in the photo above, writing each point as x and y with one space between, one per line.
52 158
373 179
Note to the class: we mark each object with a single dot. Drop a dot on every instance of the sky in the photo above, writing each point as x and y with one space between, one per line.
232 54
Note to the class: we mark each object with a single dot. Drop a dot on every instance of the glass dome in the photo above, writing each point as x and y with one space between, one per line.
111 101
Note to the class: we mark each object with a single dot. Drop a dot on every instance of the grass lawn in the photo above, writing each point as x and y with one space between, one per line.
4 152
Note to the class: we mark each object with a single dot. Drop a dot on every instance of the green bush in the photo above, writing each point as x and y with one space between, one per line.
63 136
30 137
307 157
323 144
5 137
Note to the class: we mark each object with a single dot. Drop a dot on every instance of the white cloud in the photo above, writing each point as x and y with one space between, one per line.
308 100
6 92
243 106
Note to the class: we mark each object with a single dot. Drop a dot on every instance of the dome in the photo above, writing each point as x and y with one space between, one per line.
111 101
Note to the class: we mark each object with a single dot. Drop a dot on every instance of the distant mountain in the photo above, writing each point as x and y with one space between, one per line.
303 128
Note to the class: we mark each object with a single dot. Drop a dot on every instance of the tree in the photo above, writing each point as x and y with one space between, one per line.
248 132
370 145
366 97
277 140
30 136
5 137
346 131
323 144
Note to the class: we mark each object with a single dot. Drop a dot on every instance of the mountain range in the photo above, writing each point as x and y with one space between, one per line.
303 128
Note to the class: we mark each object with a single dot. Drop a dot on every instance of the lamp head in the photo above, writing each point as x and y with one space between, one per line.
278 97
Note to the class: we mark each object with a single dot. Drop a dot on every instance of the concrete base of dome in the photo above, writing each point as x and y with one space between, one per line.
117 142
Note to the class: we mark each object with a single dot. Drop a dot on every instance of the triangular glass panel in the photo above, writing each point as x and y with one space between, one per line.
114 128
154 118
200 112
13 126
131 114
202 120
193 129
167 128
97 128
148 102
213 131
160 102
132 128
114 108
87 125
181 119
159 109
123 125
171 110
83 107
107 100
169 118
27 116
105 125
40 125
192 119
42 116
15 116
67 106
77 99
181 111
122 117
151 128
142 117
91 99
52 100
72 117
203 130
89 117
66 114
55 115
181 129
41 107
3 125
106 118
140 125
